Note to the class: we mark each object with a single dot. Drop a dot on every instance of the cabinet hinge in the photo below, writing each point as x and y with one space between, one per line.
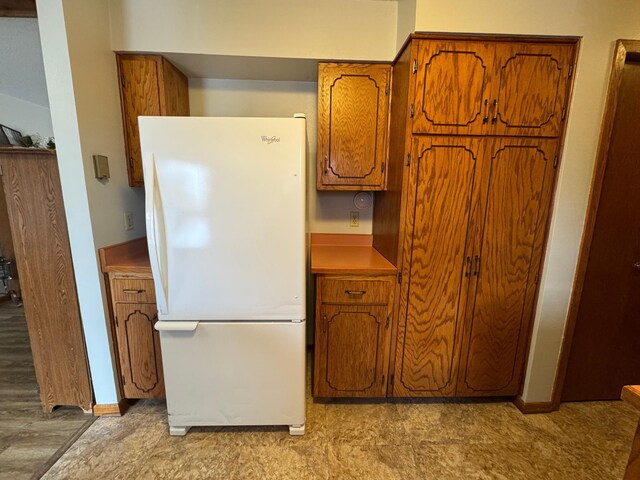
399 277
411 111
122 376
415 65
407 162
1 171
564 113
570 71
536 278
386 89
383 166
131 162
386 325
391 379
382 382
122 81
555 162
116 319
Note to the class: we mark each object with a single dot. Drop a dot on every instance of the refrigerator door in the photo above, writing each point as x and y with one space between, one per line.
225 212
234 373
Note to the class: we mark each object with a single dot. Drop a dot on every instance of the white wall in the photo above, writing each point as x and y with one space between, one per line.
406 21
26 117
82 84
600 24
24 105
323 29
328 211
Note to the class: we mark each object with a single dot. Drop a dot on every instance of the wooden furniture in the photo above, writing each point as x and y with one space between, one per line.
134 314
149 85
354 314
631 394
476 129
31 183
599 352
353 115
18 8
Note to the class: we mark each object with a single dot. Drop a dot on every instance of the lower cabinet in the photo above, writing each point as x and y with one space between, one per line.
136 340
352 336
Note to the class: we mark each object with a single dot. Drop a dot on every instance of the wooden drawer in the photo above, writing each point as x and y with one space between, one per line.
133 290
354 291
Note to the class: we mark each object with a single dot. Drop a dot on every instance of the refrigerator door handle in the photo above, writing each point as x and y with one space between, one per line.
165 326
151 191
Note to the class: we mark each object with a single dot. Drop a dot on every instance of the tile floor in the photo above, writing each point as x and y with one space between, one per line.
30 440
357 440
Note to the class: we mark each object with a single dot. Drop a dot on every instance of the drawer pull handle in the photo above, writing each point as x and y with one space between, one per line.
355 292
133 290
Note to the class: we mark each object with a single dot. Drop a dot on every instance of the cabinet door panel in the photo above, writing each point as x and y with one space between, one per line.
354 343
140 95
353 105
532 89
452 87
517 189
139 350
441 202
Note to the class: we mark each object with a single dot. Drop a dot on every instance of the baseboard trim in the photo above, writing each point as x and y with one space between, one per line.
111 409
533 407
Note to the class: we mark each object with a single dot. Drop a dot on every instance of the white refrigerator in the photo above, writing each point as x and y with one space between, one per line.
225 217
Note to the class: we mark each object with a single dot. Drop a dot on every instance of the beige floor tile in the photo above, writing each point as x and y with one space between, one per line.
282 463
386 462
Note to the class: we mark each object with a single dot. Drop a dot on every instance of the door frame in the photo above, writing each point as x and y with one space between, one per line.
622 50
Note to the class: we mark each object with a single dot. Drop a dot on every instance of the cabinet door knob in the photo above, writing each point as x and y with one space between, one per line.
636 266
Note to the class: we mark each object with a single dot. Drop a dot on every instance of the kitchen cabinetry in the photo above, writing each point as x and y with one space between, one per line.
353 114
134 314
476 128
138 344
353 325
149 85
491 88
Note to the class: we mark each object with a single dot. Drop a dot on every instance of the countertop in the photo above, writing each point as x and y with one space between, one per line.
127 257
631 394
347 254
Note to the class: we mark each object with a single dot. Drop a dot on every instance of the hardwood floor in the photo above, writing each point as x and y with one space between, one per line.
30 440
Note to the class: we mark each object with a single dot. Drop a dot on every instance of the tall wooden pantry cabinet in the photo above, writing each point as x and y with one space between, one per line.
476 127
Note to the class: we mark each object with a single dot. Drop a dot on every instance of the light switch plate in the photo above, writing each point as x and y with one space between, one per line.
101 167
128 221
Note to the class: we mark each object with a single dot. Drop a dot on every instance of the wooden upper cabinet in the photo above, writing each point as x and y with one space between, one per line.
452 87
492 88
532 88
353 112
149 86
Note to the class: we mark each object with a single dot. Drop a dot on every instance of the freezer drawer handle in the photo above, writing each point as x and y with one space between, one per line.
355 292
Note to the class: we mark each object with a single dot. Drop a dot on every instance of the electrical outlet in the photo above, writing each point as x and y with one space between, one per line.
354 220
128 220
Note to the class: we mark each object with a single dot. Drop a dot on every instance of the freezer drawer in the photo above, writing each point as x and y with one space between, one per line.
234 373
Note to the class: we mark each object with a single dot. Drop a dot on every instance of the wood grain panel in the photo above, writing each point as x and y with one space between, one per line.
174 91
517 192
133 290
355 290
39 231
532 89
441 196
452 87
353 103
139 95
387 208
139 350
632 471
355 337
